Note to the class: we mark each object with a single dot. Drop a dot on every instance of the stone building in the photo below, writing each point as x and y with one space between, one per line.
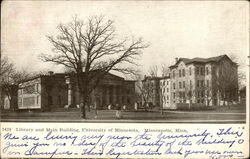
44 92
48 92
165 94
111 90
209 81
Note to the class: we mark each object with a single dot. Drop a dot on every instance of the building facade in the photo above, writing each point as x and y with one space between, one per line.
210 81
165 94
197 81
43 92
111 90
48 92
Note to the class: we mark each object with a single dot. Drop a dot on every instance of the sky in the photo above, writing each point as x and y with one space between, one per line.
171 28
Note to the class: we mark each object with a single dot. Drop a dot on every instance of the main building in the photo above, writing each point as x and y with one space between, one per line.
202 81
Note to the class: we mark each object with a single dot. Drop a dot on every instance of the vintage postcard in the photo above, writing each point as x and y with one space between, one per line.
124 79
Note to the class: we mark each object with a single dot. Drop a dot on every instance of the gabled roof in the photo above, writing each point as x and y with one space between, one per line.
201 60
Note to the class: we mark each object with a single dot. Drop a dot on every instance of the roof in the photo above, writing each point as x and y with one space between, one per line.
151 78
201 60
63 75
42 75
165 77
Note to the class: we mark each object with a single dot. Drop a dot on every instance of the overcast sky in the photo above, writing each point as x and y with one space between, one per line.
172 28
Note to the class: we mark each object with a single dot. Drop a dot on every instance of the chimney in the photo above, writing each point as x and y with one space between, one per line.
176 59
51 73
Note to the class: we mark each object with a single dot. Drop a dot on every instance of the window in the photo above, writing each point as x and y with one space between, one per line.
180 94
201 71
179 84
179 73
37 87
167 82
183 84
191 84
207 70
190 71
174 95
207 83
183 95
59 100
29 101
167 98
183 72
202 94
198 83
163 83
173 74
167 90
197 70
29 89
37 100
174 85
50 100
198 94
202 83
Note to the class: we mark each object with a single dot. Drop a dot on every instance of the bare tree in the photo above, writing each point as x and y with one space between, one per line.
165 69
189 94
10 77
147 92
226 81
153 71
91 45
5 67
241 68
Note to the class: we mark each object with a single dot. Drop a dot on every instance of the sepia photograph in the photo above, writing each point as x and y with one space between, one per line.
124 79
127 61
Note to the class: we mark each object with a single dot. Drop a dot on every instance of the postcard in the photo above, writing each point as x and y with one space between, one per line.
124 79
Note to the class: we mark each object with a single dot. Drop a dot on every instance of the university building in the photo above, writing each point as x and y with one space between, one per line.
60 90
165 92
202 81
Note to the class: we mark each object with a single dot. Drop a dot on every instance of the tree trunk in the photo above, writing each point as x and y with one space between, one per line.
218 98
83 105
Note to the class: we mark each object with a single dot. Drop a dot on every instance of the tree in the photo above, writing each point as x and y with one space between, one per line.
5 67
226 81
153 71
189 94
92 49
9 79
147 92
165 69
242 65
